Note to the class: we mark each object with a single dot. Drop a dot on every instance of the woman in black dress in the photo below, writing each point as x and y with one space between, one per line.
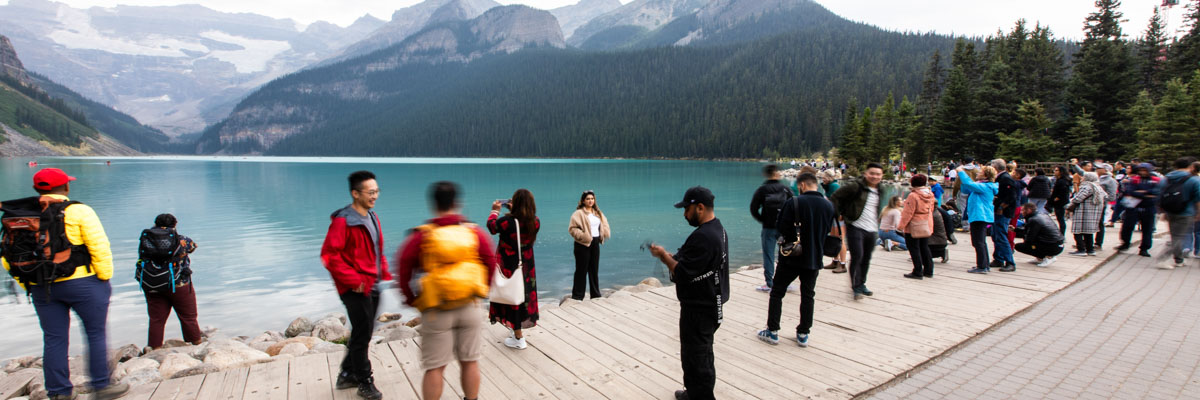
523 212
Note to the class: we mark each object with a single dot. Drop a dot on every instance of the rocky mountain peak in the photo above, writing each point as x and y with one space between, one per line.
9 63
511 28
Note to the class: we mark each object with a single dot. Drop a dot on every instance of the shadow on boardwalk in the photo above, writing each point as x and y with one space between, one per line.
627 347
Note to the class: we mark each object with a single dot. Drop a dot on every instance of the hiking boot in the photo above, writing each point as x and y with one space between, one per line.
866 292
802 339
367 390
1144 253
1008 268
111 392
833 264
914 276
841 269
767 336
346 381
978 270
1123 247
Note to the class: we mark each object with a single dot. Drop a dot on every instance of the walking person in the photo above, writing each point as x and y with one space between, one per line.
453 262
803 224
1179 202
1104 171
981 193
166 280
916 222
1042 238
858 205
1086 210
764 207
700 271
1040 189
353 254
1006 209
80 284
589 228
829 185
889 226
1060 195
521 220
1141 204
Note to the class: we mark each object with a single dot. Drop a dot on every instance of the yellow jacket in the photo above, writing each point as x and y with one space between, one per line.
83 228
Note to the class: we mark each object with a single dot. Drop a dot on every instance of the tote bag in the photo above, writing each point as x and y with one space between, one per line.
510 291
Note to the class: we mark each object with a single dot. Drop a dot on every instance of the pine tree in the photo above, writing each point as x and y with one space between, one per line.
1185 53
883 131
1040 70
1029 143
865 128
911 134
952 120
1081 138
1152 56
997 110
1104 80
852 141
1172 129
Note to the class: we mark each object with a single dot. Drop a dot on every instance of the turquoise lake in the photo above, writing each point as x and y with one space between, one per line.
260 222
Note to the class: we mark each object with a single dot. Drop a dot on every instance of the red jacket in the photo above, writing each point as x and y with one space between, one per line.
410 255
348 253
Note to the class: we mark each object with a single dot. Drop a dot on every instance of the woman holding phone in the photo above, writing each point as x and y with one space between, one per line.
589 228
522 222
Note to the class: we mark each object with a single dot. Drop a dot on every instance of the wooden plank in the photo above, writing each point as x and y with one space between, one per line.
211 389
552 374
488 388
308 378
234 385
267 381
653 382
190 388
407 354
16 384
139 392
334 363
514 377
168 389
389 376
591 372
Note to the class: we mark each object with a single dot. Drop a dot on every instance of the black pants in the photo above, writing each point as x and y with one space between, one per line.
1085 242
922 257
1060 212
360 310
979 237
1039 250
697 325
861 244
784 276
1100 233
587 266
1133 217
937 250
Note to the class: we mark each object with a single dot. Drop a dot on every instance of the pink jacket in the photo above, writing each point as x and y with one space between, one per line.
918 208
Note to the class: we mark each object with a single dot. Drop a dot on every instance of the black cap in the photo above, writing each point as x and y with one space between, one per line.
697 194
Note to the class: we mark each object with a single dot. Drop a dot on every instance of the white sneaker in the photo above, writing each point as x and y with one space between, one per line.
1037 261
763 288
1046 262
1167 265
515 343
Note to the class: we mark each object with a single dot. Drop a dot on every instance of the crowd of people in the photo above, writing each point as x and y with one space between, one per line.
448 266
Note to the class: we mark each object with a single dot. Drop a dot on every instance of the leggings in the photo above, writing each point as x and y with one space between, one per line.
979 237
922 258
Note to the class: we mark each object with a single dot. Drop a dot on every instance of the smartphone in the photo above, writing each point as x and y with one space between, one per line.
504 202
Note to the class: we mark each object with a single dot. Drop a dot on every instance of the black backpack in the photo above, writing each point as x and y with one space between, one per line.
1174 200
775 201
161 259
33 239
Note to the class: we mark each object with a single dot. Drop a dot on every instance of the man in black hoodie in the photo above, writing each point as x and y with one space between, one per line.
764 207
1006 208
1042 238
1040 188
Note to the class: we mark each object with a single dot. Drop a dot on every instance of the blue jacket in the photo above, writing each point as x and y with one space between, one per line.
937 190
1191 189
1146 189
979 199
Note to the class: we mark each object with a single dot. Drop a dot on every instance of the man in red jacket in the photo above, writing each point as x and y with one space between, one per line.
353 254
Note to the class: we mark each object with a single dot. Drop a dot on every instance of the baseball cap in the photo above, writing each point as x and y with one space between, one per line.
49 178
696 195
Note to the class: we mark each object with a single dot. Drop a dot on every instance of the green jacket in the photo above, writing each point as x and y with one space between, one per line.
850 199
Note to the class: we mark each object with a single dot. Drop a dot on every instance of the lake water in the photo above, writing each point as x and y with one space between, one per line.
260 222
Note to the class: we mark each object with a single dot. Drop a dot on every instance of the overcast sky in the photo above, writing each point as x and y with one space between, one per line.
961 17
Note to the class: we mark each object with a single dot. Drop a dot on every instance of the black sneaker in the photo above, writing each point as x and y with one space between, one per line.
367 390
995 264
1123 247
681 395
866 292
914 276
1144 253
1008 268
346 381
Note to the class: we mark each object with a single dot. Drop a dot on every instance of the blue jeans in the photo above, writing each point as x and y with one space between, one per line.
89 298
1003 251
1041 205
770 237
1192 242
894 236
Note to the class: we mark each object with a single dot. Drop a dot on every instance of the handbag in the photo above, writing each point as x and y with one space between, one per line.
833 244
918 230
510 290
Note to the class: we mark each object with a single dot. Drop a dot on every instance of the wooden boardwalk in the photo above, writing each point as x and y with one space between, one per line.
627 347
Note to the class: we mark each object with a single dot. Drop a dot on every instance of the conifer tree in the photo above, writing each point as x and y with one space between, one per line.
997 110
1104 80
1081 138
852 140
883 131
910 133
1029 143
1172 129
1185 53
1152 58
952 120
1040 69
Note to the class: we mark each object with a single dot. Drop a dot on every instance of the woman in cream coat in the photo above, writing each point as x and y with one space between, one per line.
589 228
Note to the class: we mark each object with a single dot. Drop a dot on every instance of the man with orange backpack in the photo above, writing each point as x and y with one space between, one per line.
353 254
446 266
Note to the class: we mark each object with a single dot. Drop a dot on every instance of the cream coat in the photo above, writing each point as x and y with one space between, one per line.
581 230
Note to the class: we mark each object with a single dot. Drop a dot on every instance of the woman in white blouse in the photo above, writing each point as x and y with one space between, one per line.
589 228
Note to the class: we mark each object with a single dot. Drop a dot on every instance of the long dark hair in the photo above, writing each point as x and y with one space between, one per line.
523 208
595 206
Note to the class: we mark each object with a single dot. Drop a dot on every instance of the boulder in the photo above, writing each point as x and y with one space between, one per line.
135 364
123 354
326 347
389 317
39 394
339 316
142 377
82 383
651 281
225 354
19 363
307 341
298 326
262 346
160 354
294 349
400 333
268 336
174 342
209 331
331 330
412 323
197 370
176 362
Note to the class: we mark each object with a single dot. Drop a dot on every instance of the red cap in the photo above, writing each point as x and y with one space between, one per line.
49 178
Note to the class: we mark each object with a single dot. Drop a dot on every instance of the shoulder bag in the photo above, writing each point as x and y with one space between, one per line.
510 290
